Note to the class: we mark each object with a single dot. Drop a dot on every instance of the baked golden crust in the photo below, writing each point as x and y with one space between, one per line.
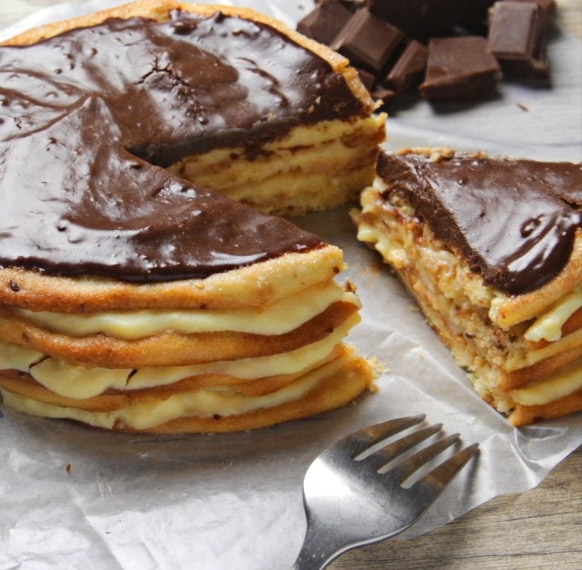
257 285
526 415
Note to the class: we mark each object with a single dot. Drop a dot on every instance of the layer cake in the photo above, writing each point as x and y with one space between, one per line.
135 293
491 248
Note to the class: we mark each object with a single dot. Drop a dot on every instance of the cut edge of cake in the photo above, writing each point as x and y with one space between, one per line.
522 352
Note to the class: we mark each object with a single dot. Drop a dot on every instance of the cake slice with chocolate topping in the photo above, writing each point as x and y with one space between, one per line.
491 248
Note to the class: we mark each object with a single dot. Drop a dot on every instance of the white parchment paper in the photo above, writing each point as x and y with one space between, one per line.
75 498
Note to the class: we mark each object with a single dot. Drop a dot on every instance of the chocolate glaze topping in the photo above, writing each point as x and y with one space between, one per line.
513 220
87 119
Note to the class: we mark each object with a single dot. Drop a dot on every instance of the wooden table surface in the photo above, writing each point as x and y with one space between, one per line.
541 528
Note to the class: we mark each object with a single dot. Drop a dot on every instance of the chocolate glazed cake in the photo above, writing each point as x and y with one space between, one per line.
135 296
492 251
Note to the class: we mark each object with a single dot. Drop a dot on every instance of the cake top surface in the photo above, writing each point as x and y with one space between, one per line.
513 220
89 117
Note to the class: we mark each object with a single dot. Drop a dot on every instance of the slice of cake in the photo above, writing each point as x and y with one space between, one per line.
135 296
491 248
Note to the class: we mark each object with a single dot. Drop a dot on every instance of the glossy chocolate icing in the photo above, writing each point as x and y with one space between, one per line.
513 220
87 119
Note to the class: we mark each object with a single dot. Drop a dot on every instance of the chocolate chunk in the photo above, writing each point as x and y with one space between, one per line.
367 78
383 94
325 21
409 70
367 41
459 68
422 18
518 39
463 64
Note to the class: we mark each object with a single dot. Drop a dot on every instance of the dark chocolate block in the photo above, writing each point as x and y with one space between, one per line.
461 64
368 42
384 94
460 68
423 18
517 38
409 70
367 78
325 21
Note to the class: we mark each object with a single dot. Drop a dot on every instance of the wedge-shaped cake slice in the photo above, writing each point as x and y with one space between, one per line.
135 295
491 248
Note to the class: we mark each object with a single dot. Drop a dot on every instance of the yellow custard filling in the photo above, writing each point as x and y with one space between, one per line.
279 318
549 325
80 382
552 388
202 403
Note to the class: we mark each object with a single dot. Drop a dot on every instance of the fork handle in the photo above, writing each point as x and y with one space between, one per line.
317 552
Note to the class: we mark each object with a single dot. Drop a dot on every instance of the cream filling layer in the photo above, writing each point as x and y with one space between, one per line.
553 388
568 342
80 382
279 318
549 325
202 403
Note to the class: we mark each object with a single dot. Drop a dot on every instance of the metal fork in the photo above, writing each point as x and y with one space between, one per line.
351 501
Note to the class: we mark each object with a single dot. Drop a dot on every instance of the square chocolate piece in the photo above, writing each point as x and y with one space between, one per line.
409 70
422 19
517 38
367 41
460 68
325 21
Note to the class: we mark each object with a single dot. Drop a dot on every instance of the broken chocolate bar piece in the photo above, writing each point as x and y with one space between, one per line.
368 42
383 94
423 19
460 68
367 78
518 39
325 21
409 70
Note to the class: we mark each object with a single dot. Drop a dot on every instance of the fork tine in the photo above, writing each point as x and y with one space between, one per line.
441 475
393 450
361 440
405 469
